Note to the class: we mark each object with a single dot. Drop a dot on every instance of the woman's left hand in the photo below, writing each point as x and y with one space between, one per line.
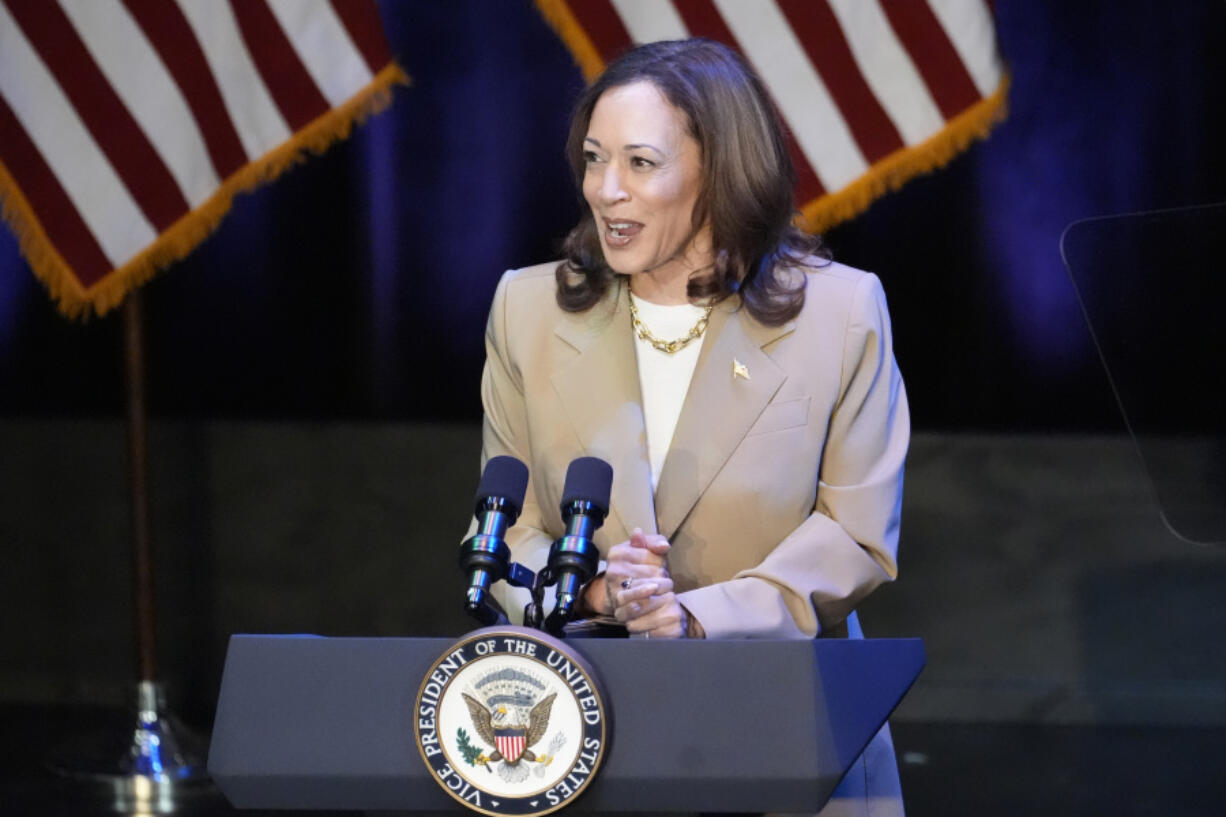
650 606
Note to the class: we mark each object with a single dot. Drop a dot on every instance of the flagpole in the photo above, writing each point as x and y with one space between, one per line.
138 486
158 763
153 767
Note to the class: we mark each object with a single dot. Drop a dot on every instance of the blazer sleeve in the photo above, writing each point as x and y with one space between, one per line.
847 546
505 432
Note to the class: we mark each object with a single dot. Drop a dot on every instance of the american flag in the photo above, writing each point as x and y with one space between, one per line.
127 126
872 92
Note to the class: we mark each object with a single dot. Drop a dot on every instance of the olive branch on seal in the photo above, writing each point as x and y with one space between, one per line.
472 754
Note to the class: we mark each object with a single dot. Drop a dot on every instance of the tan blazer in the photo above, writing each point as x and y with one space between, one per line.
781 491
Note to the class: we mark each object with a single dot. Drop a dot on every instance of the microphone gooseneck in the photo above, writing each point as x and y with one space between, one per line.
484 556
574 557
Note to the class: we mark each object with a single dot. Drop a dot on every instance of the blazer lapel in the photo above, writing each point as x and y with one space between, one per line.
732 384
600 394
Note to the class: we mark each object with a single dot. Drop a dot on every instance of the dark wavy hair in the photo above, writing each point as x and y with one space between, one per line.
747 182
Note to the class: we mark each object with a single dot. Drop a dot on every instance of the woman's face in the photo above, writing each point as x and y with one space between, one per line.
643 177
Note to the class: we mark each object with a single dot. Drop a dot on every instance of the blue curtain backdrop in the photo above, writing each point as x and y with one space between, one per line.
356 286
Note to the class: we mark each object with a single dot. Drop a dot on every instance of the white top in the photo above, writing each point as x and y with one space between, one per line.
663 378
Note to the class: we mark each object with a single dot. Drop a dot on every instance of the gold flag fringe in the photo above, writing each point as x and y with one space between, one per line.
42 256
558 14
895 170
75 301
886 175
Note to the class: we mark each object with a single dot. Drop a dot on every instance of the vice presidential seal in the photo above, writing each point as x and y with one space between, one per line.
511 721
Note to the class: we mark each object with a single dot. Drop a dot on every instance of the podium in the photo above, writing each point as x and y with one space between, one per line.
305 722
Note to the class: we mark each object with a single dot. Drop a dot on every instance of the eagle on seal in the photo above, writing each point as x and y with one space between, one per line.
512 740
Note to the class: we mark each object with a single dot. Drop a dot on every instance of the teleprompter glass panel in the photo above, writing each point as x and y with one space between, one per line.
1153 288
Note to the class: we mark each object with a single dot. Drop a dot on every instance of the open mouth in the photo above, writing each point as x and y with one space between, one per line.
619 233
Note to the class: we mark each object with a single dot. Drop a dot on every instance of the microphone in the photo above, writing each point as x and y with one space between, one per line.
484 556
574 557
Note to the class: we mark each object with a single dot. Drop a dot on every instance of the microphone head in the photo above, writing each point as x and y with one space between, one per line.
504 477
589 479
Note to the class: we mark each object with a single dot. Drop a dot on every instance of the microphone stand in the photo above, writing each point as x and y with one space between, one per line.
572 558
489 615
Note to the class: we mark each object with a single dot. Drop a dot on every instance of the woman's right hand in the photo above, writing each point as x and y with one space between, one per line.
640 557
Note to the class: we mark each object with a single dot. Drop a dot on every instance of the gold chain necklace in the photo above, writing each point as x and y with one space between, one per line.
669 347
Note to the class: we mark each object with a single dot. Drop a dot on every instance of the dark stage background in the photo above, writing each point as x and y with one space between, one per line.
314 372
356 287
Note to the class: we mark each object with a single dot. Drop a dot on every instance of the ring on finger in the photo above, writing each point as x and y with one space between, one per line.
626 583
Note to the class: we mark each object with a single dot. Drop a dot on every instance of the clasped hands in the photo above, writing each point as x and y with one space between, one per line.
637 590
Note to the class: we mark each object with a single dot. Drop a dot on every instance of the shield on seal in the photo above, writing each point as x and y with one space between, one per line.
511 742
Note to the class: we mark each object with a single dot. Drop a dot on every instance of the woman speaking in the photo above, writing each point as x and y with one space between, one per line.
741 384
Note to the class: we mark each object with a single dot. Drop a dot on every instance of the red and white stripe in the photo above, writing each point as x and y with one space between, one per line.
854 80
511 745
120 117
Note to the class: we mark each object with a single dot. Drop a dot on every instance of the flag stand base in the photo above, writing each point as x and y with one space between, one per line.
155 773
